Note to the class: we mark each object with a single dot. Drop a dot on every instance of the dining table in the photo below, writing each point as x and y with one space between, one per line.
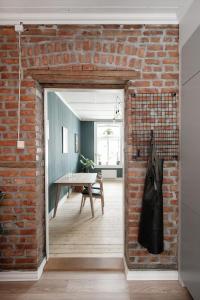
75 179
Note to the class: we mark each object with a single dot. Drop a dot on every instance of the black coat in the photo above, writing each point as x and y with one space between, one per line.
151 221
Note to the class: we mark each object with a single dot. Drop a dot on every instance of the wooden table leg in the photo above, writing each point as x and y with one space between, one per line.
58 186
91 199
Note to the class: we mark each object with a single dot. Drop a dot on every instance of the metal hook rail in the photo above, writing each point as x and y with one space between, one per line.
155 116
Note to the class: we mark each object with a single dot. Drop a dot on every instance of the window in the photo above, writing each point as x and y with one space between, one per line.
108 144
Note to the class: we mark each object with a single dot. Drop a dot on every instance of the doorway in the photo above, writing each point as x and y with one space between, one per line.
95 129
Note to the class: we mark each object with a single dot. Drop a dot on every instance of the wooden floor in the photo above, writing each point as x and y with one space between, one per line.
91 286
85 264
72 234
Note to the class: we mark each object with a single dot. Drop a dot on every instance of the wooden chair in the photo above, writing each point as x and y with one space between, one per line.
96 185
97 193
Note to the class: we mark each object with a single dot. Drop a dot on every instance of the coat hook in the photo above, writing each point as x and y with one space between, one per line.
137 155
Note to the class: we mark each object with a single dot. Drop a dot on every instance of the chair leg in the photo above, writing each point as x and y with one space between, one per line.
102 205
82 203
91 199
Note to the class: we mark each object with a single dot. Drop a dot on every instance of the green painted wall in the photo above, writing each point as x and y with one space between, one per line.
87 139
59 163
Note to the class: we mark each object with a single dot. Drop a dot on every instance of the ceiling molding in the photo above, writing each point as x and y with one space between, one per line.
67 104
184 9
88 18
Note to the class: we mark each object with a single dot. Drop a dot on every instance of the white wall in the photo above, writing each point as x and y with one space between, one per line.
190 22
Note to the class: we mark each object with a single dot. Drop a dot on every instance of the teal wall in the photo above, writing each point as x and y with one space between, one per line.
87 139
59 163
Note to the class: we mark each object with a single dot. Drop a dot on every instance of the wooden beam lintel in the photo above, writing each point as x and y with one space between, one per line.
83 74
83 85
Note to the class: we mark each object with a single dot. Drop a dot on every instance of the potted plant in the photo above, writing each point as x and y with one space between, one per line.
86 163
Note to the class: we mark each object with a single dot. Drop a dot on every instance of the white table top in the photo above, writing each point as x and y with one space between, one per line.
77 178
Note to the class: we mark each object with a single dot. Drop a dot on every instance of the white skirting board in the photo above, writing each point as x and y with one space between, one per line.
23 275
150 274
60 203
181 280
130 274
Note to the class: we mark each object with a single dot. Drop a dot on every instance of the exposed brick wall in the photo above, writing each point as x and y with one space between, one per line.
150 49
138 257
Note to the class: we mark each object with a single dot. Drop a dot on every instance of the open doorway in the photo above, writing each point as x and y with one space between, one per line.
87 122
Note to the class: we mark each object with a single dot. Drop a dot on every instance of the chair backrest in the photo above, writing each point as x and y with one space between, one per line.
100 181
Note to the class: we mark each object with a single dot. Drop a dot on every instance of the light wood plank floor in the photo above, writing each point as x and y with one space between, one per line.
78 235
91 286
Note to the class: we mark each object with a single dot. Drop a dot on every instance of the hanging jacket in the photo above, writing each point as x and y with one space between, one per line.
151 220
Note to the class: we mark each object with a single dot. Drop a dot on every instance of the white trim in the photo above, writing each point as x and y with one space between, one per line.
46 138
189 22
88 18
67 104
181 280
184 9
150 274
23 275
179 169
123 174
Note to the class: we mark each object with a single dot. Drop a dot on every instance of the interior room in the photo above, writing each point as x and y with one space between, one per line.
99 149
94 123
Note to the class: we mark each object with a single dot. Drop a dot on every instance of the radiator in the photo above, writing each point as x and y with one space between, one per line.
109 173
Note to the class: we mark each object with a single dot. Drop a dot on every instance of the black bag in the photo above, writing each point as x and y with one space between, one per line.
151 220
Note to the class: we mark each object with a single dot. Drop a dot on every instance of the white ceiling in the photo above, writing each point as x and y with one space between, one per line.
92 11
92 104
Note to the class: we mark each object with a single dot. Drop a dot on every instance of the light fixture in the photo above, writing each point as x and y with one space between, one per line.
117 109
19 28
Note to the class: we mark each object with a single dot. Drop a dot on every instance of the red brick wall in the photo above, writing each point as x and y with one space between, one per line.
150 49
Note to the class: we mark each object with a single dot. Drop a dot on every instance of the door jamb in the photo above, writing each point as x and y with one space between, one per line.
46 138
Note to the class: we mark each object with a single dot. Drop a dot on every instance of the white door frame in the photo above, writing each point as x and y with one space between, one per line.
46 139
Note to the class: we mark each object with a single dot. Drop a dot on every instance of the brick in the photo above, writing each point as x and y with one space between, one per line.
150 49
172 32
170 76
155 47
150 54
149 76
153 32
171 61
152 61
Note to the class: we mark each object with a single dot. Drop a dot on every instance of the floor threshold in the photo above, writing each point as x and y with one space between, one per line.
85 264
